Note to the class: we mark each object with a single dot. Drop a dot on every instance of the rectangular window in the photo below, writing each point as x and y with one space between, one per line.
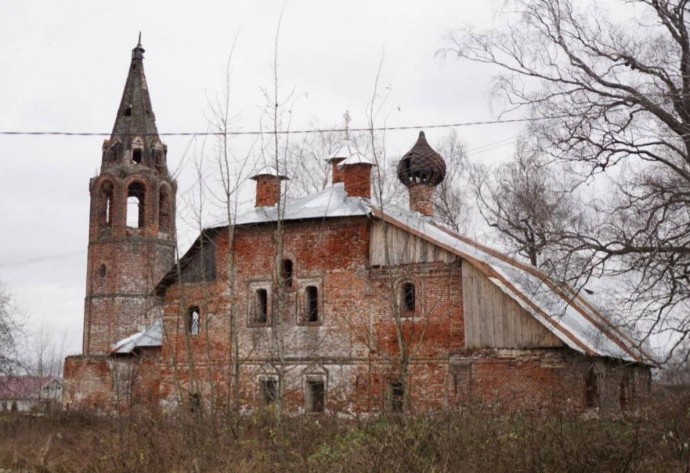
315 396
311 295
268 391
396 397
261 306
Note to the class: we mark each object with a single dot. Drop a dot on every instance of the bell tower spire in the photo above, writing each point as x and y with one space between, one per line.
132 223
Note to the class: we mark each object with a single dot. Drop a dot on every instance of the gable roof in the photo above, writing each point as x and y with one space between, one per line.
563 311
23 387
558 307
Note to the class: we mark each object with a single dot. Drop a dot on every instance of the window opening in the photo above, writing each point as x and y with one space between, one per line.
135 205
136 155
194 402
193 321
315 396
624 394
261 306
397 397
312 296
102 271
107 209
286 272
128 111
269 391
409 301
591 388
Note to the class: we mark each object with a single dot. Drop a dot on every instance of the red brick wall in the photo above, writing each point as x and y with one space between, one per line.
123 263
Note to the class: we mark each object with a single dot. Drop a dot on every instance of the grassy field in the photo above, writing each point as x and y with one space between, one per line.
655 439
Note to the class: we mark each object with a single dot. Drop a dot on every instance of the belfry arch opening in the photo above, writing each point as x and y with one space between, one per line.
136 211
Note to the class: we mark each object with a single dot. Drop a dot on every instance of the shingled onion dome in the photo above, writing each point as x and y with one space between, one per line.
421 169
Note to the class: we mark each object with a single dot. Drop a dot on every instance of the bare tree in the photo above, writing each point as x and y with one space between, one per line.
452 197
528 206
607 89
9 332
306 159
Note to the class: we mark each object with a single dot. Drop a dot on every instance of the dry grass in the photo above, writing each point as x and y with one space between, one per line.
654 440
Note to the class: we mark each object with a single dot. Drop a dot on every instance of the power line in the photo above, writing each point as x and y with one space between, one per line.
42 259
279 132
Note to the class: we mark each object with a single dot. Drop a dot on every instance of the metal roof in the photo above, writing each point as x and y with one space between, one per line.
564 312
149 337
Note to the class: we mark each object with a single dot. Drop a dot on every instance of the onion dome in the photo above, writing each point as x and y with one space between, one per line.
421 165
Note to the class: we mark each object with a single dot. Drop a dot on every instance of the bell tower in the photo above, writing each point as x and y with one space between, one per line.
132 220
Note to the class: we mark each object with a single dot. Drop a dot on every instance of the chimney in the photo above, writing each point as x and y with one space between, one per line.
357 179
267 186
345 150
421 169
336 173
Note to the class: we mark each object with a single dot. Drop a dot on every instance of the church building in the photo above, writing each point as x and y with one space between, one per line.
336 302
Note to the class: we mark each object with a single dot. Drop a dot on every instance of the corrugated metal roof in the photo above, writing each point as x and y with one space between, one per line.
149 337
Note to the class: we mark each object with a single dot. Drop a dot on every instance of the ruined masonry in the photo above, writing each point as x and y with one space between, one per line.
343 305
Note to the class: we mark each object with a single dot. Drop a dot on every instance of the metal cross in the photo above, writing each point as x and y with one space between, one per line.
347 124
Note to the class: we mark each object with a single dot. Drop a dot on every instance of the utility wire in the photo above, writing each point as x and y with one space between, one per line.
279 132
42 259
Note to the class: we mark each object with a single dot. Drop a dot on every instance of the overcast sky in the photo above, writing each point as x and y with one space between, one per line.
64 66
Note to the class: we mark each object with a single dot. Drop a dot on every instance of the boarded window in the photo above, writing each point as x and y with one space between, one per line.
136 211
408 297
268 391
193 321
311 295
591 388
286 273
261 306
315 396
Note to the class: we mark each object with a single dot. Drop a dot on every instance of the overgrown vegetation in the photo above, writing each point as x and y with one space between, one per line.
655 439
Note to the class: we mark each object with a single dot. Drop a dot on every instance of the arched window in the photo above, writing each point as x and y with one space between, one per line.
591 388
107 203
408 297
261 304
164 213
136 212
136 155
193 325
286 272
102 271
311 295
128 111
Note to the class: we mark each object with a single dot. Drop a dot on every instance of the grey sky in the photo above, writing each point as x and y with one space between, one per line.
63 69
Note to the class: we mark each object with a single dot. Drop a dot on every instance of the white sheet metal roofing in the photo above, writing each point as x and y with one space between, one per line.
149 337
330 202
569 316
